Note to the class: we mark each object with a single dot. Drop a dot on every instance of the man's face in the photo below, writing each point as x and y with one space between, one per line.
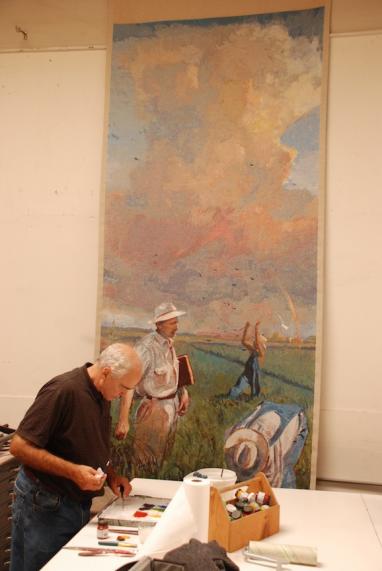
114 387
168 328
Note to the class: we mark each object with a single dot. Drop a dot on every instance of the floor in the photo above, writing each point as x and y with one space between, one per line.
355 487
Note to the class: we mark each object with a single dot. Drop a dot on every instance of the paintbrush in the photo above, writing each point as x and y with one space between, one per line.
88 553
127 530
122 490
117 543
100 550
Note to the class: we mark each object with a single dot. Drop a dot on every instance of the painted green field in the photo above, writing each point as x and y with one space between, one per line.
287 377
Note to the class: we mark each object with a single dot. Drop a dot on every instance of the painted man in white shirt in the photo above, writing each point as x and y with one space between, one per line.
162 401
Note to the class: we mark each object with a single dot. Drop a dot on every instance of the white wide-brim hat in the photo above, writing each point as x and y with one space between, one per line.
246 451
166 311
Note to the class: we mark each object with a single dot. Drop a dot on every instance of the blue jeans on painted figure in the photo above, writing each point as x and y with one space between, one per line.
42 523
250 377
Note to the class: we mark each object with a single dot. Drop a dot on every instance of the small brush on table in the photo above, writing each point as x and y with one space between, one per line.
122 491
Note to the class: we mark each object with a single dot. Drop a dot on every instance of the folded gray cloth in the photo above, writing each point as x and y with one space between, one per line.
188 557
197 555
148 564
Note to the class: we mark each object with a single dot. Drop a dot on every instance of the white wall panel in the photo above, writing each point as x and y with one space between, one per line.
350 441
51 117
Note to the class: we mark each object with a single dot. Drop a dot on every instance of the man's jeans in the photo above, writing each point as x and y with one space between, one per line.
42 523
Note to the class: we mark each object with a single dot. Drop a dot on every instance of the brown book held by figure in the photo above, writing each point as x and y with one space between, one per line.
186 375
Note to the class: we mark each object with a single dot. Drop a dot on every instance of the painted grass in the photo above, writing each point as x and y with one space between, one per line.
287 377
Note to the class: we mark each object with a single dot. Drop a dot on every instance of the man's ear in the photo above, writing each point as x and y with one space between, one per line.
105 372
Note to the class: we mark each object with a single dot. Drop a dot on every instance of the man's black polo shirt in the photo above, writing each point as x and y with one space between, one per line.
70 419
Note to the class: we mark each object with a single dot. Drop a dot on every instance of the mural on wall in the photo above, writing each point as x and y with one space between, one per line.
211 238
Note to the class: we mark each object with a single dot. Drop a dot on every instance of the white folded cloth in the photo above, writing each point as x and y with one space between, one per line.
299 554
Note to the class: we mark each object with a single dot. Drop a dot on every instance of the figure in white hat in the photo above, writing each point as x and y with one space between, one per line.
269 440
162 401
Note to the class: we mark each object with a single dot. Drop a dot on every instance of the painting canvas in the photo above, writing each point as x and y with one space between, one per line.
212 203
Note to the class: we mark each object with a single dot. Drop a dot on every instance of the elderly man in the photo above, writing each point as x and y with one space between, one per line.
63 444
162 401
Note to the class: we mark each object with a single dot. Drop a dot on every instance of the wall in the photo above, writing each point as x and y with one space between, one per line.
83 23
51 117
350 441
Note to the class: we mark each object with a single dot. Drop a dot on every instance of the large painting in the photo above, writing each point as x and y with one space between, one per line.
212 223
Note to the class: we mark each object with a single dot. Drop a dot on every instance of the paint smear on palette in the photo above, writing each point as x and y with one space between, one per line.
151 510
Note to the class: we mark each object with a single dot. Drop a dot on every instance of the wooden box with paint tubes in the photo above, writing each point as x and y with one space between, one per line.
243 512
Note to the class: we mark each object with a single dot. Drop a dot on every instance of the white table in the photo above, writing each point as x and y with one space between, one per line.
373 503
345 527
337 523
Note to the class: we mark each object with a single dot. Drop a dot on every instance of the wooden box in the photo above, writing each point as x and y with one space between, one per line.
235 534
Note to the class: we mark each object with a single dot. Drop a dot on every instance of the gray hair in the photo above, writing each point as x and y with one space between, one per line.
117 358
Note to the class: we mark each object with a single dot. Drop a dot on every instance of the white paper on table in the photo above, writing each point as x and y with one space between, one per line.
187 516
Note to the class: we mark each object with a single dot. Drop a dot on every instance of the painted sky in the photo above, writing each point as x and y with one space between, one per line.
213 172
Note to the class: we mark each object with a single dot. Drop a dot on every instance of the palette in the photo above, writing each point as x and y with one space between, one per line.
135 511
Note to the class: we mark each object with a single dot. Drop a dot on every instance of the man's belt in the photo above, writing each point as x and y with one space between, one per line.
172 396
32 476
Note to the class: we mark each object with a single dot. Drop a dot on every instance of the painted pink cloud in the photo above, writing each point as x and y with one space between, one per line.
196 208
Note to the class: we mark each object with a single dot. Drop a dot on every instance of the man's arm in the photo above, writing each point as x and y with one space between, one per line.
246 339
40 459
258 344
184 401
123 424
